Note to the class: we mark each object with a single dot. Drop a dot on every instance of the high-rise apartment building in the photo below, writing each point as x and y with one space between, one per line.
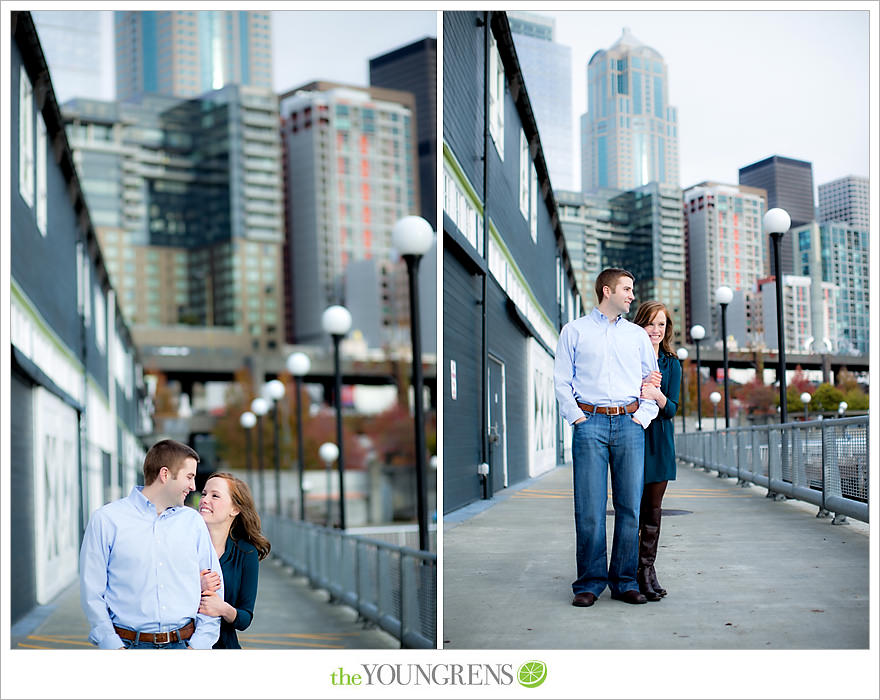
789 185
805 305
725 244
413 68
187 53
76 51
546 67
187 204
350 174
846 200
640 230
630 130
838 254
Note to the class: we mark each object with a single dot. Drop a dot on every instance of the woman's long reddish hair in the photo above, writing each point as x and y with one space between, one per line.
645 314
246 525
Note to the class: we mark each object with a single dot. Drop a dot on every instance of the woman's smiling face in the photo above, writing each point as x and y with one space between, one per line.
216 505
656 327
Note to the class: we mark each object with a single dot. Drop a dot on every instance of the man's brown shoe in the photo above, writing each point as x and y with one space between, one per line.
633 597
584 600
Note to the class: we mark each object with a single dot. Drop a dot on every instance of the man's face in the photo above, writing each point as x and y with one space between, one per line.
621 296
178 487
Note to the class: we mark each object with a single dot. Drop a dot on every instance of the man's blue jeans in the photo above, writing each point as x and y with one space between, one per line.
599 442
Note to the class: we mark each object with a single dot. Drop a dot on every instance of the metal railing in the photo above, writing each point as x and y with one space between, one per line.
391 586
823 462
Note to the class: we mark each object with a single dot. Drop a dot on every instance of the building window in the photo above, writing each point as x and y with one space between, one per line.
496 97
26 138
524 161
41 168
533 205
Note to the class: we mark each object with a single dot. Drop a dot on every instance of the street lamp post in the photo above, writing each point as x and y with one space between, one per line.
328 452
682 354
248 420
336 321
715 397
776 223
259 407
724 295
273 391
298 364
697 334
805 400
841 408
413 236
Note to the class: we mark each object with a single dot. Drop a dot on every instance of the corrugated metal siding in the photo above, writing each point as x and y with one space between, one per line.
461 418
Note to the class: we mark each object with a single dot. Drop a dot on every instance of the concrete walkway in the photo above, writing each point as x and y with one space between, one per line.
289 615
742 571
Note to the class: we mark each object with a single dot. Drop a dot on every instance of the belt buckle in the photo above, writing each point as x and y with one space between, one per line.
167 639
613 410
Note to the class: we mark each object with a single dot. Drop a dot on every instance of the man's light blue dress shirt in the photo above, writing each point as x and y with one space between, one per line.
603 364
141 570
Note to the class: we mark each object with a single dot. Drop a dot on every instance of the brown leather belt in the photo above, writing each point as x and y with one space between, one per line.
177 635
610 410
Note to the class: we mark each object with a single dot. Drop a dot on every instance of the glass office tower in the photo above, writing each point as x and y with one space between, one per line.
630 131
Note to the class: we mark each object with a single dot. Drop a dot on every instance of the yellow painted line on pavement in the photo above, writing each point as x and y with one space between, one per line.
60 640
288 644
684 493
22 645
328 636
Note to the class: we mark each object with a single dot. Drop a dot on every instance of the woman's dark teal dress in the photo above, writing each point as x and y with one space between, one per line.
659 445
241 567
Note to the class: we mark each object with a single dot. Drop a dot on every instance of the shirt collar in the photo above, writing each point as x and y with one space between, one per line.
599 317
144 504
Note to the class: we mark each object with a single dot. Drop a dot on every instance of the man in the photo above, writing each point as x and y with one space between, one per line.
141 559
601 362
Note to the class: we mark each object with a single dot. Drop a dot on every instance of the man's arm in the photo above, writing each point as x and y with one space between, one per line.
648 409
207 628
93 558
563 376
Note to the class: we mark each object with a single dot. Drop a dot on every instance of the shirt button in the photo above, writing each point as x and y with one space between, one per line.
160 563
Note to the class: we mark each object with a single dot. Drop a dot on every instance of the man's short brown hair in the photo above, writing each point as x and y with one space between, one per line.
166 453
608 278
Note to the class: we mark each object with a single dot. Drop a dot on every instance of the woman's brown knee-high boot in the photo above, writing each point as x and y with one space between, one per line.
649 538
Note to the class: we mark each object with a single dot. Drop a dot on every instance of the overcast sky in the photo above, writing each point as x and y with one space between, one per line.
747 84
337 45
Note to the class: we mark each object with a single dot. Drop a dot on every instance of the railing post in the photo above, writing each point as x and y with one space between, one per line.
402 579
823 512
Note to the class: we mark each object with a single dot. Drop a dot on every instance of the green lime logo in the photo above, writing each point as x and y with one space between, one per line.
532 673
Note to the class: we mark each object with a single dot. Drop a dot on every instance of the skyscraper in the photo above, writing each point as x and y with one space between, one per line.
546 67
188 53
640 230
810 314
350 164
413 68
74 44
630 131
789 185
187 205
846 200
837 253
725 242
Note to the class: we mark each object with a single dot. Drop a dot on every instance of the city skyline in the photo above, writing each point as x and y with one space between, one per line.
365 35
820 59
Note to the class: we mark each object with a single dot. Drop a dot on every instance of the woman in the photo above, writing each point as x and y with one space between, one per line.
228 510
659 448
